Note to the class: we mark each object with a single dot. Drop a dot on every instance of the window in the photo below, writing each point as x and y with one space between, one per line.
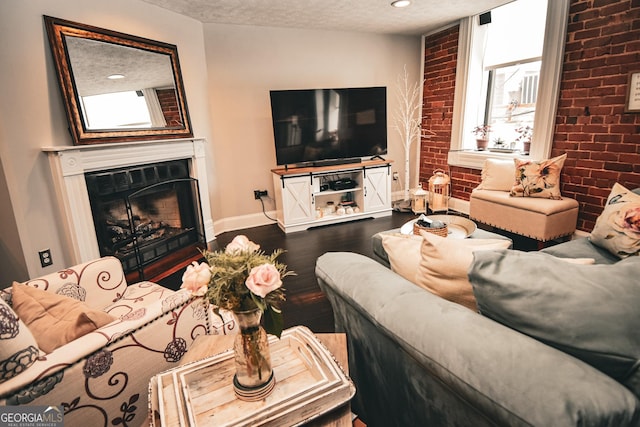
510 49
512 77
510 102
130 109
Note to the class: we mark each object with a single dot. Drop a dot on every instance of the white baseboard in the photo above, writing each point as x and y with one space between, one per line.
259 219
242 222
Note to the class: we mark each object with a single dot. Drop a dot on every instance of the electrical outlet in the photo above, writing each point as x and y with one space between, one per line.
395 176
258 194
45 257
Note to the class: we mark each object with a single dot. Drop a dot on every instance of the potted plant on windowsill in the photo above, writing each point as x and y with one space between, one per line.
482 136
526 133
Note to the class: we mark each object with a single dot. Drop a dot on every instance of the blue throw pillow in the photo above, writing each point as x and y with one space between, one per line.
589 311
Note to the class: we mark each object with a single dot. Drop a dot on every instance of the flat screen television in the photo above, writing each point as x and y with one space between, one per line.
313 127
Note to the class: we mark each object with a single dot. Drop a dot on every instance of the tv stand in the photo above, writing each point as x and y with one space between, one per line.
305 198
377 156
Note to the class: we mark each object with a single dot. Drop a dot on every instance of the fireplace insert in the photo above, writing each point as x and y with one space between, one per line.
147 216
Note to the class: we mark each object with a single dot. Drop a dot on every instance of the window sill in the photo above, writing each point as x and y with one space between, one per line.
475 159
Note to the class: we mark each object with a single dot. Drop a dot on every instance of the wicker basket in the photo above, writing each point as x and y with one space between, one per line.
442 232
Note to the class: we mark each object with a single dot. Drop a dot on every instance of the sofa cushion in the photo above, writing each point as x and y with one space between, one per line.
581 248
403 253
437 264
55 320
538 178
18 347
617 228
380 254
588 311
497 174
444 262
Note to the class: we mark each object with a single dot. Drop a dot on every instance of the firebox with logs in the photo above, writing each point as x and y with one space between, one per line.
147 216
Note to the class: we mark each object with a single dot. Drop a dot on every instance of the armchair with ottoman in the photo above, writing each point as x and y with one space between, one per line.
476 334
527 203
85 340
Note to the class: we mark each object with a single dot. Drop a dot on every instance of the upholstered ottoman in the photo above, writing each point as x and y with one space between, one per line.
537 218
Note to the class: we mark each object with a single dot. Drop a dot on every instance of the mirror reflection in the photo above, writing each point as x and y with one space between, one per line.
117 87
122 87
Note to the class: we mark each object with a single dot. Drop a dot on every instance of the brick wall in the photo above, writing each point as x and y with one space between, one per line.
601 141
169 105
441 54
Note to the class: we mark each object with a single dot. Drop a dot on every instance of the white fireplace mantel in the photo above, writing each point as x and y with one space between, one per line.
70 163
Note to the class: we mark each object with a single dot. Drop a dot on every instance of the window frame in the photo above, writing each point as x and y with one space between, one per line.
548 90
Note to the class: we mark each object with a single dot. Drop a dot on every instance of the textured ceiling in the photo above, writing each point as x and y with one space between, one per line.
92 62
373 16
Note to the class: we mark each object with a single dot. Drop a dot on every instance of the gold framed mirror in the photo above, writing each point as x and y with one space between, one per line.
117 87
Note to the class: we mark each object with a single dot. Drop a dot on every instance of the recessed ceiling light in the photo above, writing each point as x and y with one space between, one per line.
401 3
116 76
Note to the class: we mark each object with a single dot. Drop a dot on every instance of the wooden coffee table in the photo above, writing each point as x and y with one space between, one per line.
208 345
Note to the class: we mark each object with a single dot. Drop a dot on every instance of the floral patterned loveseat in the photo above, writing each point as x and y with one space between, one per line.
102 378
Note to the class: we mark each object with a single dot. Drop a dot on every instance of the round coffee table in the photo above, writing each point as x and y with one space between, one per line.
459 227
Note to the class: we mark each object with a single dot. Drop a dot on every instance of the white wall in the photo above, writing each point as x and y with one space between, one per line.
227 72
32 114
245 62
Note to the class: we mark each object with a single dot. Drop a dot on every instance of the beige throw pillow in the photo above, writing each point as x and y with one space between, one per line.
497 174
55 320
403 251
444 262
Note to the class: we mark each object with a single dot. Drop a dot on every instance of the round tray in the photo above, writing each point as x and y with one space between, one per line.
459 227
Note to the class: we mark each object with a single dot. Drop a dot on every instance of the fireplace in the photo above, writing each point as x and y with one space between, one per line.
147 203
146 213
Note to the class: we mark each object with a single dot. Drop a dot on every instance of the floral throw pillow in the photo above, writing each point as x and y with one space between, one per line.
617 228
538 178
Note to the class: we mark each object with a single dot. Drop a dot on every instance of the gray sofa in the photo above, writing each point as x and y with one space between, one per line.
420 360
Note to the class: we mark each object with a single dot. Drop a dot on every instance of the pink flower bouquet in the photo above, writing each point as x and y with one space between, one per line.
241 278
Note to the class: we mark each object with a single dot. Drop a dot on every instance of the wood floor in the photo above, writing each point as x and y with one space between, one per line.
306 304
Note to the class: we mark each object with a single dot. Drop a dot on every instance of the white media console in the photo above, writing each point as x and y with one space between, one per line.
313 196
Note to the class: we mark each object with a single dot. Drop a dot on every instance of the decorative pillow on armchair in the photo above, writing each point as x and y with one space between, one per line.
55 320
538 179
497 174
18 348
617 228
588 311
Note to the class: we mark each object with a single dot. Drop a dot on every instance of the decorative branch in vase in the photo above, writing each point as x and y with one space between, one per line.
407 120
